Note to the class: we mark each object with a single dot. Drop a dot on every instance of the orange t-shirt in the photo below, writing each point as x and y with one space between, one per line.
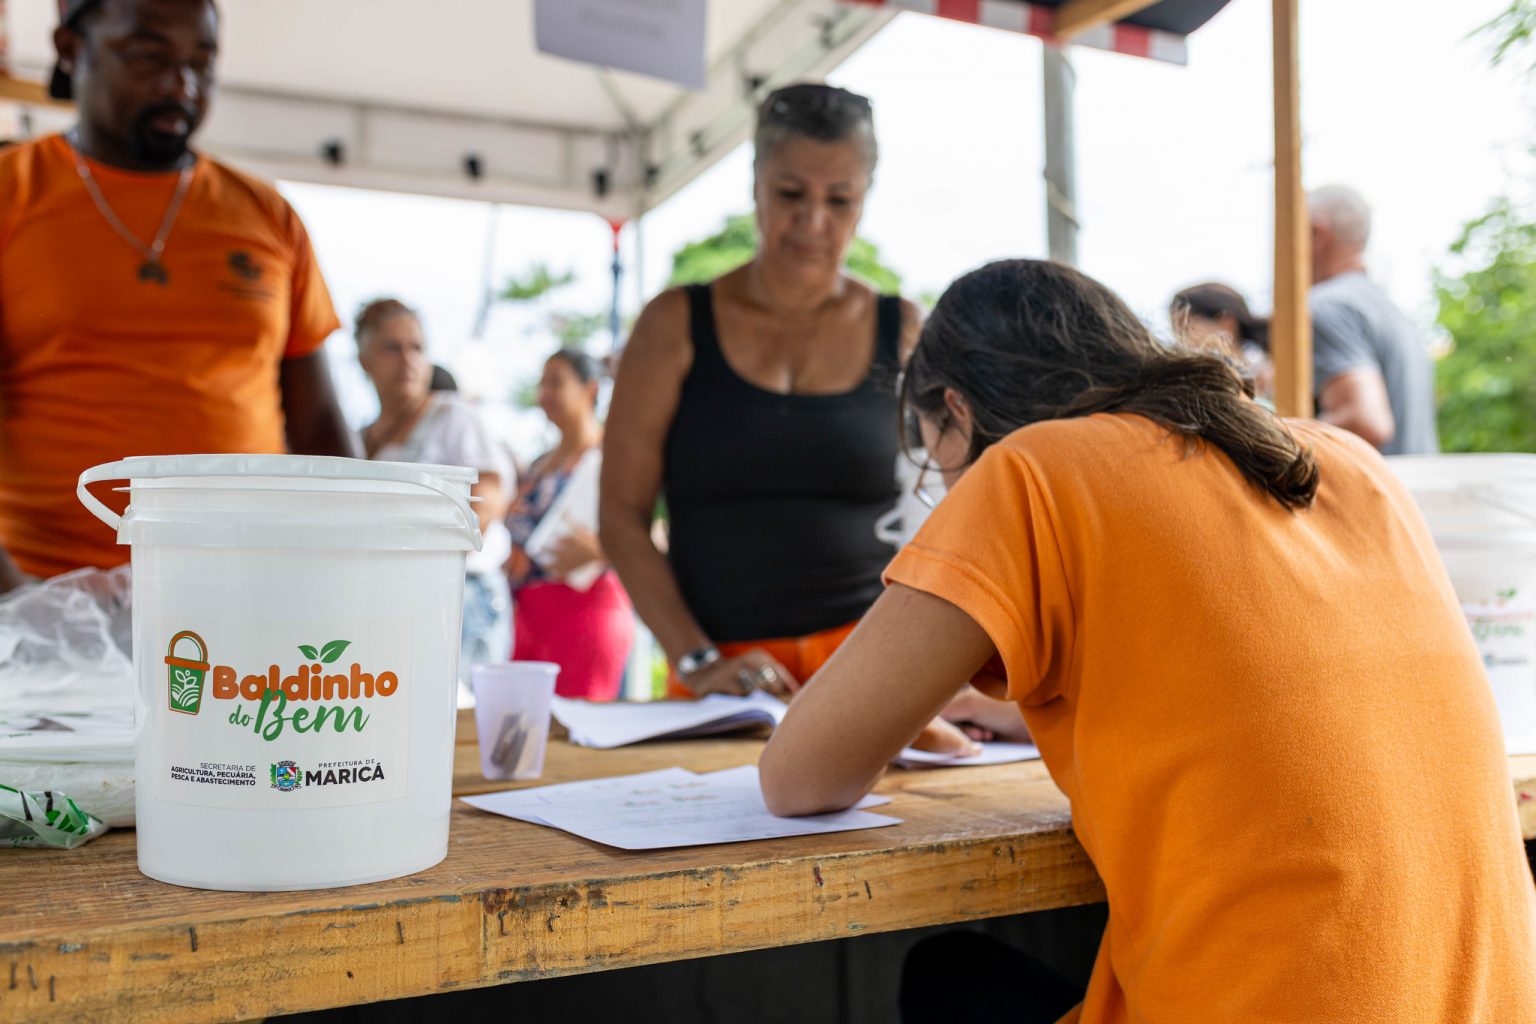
96 365
1279 744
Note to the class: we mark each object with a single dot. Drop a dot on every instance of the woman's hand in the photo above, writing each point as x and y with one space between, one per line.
755 670
577 548
518 566
984 718
941 737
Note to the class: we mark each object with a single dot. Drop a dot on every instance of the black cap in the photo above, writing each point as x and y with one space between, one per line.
60 87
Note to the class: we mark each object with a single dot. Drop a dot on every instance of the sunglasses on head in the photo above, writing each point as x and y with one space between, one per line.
800 99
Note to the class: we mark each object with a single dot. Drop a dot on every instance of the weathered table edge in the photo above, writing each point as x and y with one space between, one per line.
258 965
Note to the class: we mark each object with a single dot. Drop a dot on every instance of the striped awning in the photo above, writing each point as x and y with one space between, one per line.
1156 32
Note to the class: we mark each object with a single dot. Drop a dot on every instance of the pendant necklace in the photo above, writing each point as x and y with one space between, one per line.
152 269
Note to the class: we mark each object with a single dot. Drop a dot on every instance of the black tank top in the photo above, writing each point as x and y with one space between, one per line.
773 498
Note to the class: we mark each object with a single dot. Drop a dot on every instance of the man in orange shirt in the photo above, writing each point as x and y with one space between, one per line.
152 301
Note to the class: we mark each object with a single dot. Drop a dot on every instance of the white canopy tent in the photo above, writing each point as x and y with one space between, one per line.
359 93
454 99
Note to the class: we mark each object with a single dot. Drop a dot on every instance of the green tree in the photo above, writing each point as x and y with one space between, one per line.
1486 385
571 329
536 283
735 243
1513 30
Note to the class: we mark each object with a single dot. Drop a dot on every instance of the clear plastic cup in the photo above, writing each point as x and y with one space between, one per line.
512 701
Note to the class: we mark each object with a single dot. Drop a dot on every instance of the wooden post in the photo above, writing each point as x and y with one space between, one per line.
1291 327
1077 16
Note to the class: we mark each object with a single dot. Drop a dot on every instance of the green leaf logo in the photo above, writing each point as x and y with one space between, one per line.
309 652
331 651
185 689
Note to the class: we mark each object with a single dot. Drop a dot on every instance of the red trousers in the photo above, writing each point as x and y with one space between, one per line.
588 635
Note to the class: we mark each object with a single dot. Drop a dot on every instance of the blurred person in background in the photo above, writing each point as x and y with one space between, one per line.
1371 369
418 424
1216 317
585 625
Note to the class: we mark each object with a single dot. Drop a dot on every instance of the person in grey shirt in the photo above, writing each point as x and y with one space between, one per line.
1371 371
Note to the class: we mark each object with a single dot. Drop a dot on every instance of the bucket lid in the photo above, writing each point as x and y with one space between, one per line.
306 472
1471 493
1450 472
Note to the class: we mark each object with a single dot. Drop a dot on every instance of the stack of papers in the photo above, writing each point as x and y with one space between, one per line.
991 753
670 807
605 726
85 755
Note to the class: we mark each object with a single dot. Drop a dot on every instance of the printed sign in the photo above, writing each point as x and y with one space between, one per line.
282 715
1504 625
662 38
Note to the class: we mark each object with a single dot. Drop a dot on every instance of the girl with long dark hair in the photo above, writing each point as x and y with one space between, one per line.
1234 643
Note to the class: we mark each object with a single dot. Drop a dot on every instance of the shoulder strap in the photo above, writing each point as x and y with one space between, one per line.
888 330
701 320
702 332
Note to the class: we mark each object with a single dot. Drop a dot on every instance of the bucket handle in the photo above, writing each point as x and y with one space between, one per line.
337 469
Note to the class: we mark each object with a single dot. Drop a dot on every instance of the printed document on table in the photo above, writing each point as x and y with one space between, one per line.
673 807
698 813
991 753
527 804
617 724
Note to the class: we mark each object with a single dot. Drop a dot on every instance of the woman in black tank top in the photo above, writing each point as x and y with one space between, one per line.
761 408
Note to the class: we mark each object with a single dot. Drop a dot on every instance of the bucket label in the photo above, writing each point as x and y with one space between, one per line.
1504 625
281 715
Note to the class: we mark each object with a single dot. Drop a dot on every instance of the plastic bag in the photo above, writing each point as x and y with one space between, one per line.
66 693
66 644
89 756
44 819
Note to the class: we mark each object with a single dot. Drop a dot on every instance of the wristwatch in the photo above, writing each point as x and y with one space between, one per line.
693 661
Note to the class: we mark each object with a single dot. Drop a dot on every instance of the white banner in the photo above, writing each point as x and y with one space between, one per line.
662 38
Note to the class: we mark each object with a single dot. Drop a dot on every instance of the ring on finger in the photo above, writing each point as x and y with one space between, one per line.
760 678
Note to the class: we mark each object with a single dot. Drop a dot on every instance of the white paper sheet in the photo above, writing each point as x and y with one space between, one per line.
618 724
991 753
528 804
696 813
574 507
96 737
746 775
670 807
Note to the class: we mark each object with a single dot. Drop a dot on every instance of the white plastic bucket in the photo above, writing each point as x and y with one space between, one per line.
296 636
1481 510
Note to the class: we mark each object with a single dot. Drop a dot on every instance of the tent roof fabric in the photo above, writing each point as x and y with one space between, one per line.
401 94
398 95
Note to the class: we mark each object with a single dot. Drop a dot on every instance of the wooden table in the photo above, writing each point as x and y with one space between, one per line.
85 937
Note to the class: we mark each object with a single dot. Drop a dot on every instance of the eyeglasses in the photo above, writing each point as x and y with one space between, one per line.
920 489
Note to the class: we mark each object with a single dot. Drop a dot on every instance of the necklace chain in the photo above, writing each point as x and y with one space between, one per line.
152 269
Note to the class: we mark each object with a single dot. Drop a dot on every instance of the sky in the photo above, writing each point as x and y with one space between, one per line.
1174 179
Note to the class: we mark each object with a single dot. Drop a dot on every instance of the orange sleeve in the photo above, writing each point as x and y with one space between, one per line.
990 550
311 317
